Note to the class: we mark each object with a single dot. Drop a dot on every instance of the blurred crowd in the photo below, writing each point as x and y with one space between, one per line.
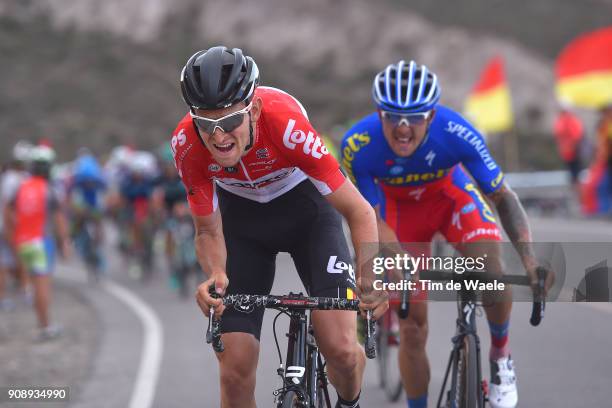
68 209
588 161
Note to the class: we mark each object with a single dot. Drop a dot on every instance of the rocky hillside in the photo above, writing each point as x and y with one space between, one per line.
96 73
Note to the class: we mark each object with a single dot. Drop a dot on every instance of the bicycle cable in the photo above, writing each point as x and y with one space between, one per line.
280 356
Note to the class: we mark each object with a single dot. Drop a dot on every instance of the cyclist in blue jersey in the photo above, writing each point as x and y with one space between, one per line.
85 202
427 170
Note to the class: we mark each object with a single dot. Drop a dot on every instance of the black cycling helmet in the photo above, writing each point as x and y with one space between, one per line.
218 77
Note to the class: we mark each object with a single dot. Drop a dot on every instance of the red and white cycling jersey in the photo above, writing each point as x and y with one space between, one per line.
285 152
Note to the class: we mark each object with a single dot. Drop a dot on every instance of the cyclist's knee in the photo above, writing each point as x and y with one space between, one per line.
344 354
238 363
236 380
413 332
341 350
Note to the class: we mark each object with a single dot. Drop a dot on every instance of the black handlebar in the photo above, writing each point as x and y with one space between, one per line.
289 302
539 301
247 303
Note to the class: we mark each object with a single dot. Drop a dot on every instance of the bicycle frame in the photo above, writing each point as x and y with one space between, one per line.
305 371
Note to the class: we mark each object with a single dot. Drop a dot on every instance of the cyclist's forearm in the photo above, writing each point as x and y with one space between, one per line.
364 235
515 222
211 252
361 220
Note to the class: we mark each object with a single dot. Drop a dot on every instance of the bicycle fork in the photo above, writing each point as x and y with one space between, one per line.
466 326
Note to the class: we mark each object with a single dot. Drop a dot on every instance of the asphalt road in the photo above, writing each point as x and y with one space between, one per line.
563 363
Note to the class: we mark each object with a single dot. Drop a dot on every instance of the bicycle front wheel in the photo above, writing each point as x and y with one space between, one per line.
387 344
291 400
468 386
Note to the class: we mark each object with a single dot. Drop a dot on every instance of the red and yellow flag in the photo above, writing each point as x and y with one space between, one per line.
489 106
584 70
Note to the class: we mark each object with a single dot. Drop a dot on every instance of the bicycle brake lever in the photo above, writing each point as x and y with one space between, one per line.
213 334
370 341
209 334
539 304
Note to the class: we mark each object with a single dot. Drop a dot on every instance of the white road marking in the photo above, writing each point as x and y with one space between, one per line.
150 358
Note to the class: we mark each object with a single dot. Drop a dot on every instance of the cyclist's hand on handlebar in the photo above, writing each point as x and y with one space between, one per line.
369 299
203 295
534 278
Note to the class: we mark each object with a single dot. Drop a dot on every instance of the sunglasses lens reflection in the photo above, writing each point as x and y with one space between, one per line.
396 118
227 125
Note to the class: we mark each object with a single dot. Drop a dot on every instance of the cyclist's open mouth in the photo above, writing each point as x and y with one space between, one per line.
404 140
224 148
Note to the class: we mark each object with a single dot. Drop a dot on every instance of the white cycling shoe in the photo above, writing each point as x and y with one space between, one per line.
502 389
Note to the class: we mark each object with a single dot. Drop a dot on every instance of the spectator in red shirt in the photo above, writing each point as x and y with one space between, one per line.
569 133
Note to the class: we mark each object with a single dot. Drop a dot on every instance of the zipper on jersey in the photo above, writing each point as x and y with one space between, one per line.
247 175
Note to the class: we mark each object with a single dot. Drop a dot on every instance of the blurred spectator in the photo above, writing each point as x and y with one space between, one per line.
569 133
9 182
604 140
32 209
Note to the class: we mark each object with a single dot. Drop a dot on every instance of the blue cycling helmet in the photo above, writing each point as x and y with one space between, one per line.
406 88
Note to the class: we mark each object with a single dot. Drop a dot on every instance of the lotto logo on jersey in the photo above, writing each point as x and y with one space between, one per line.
178 140
335 266
312 143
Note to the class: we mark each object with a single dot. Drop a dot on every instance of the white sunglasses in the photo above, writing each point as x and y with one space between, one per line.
226 123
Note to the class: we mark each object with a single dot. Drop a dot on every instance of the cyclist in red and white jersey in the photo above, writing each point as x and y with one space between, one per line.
260 181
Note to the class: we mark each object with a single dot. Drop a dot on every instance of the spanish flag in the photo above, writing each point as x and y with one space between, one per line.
489 106
584 70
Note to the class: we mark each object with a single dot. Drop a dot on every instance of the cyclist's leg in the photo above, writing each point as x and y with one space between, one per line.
415 223
237 368
345 358
497 304
250 269
323 261
474 233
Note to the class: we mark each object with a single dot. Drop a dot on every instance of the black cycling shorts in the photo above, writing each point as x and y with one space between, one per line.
300 222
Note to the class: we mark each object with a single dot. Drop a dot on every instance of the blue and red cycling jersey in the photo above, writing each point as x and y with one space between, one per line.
429 191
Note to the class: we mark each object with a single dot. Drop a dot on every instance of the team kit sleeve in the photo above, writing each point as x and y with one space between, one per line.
354 161
200 189
305 149
475 155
